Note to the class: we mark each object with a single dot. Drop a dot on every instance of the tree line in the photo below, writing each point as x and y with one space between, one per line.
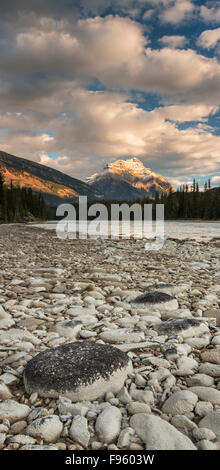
191 203
188 202
18 203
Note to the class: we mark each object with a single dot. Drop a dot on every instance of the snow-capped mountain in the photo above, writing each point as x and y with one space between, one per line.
128 180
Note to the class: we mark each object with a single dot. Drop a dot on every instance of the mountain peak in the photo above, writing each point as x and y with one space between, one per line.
133 166
129 161
128 176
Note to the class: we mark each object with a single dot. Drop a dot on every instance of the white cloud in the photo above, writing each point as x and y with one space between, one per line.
169 71
106 125
177 12
174 41
210 15
90 45
179 181
110 49
187 112
215 180
209 38
46 65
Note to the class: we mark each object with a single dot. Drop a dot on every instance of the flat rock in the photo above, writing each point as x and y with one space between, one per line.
212 421
38 447
122 335
5 393
177 313
30 323
158 434
80 371
180 403
211 355
183 424
47 428
22 439
78 311
6 319
210 369
198 343
145 396
213 313
138 407
185 327
19 334
207 394
72 409
13 411
168 288
108 424
186 366
203 380
69 328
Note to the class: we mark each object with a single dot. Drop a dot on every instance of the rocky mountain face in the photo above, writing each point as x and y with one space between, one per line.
128 180
55 186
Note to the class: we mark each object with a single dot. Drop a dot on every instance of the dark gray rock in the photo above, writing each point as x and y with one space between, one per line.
79 371
170 351
152 298
186 327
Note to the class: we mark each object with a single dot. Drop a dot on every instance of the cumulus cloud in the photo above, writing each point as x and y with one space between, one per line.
174 41
209 38
212 14
90 46
168 71
110 49
53 66
108 125
187 112
177 12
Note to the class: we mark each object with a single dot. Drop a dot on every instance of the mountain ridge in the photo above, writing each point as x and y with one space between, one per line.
56 186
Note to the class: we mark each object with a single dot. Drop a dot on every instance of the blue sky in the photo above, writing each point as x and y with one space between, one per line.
84 83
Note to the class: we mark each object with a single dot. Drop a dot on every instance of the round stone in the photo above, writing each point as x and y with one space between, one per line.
81 371
180 403
13 411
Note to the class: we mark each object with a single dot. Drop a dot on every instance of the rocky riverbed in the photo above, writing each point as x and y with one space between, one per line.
159 309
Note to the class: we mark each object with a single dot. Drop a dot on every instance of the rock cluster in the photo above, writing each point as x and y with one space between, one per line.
98 352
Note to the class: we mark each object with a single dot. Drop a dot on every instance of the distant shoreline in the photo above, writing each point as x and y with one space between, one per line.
50 221
193 220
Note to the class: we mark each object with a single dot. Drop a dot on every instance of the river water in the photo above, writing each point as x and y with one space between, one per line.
200 231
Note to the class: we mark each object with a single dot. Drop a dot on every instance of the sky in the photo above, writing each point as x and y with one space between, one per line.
84 83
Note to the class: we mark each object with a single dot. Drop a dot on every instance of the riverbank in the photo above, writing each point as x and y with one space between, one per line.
53 292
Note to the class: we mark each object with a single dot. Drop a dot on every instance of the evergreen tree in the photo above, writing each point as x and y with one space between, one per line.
17 203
